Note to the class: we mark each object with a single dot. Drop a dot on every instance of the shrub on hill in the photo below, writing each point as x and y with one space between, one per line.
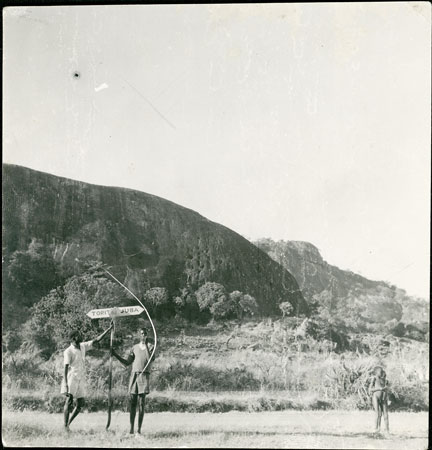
65 309
214 301
27 276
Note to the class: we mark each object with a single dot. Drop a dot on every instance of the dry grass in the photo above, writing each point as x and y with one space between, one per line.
288 429
260 357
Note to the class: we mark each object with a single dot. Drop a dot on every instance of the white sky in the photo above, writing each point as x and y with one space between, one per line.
291 121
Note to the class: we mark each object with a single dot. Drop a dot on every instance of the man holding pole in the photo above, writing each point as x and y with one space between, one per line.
73 384
140 358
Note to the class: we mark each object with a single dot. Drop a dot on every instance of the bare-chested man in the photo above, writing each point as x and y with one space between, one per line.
378 390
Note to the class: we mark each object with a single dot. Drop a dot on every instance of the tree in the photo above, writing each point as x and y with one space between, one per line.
27 276
222 309
243 304
65 308
212 298
328 307
157 298
186 305
210 293
249 305
286 309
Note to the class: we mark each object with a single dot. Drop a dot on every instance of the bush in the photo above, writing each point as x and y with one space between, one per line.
286 309
212 297
23 367
64 309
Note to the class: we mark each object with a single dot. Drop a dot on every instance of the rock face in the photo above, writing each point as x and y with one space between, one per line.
148 241
385 306
381 302
312 273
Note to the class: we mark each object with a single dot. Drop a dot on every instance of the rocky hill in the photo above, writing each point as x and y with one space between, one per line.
379 301
313 274
148 241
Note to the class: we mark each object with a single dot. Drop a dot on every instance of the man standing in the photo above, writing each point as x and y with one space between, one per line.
74 383
139 379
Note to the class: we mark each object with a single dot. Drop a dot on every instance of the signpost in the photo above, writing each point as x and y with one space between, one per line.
120 311
113 313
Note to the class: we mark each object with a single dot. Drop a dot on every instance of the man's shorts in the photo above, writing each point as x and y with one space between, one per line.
77 387
139 383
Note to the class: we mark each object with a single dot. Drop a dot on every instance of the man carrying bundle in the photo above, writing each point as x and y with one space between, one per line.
139 357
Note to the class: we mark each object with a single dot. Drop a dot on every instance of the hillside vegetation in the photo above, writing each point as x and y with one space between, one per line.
53 227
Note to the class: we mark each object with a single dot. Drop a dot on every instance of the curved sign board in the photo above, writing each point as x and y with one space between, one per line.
120 311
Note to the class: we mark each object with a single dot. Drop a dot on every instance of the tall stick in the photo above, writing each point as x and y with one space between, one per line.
110 377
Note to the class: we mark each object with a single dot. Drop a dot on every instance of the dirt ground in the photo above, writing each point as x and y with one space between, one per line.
286 429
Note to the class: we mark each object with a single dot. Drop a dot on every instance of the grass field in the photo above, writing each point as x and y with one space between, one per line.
287 429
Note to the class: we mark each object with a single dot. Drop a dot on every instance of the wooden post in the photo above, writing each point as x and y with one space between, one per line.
110 376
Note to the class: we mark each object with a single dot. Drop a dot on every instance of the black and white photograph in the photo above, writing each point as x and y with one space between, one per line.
216 225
